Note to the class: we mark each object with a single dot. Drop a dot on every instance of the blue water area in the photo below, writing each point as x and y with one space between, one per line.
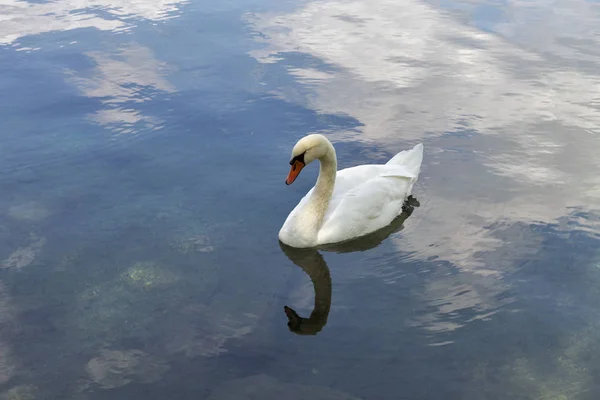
143 152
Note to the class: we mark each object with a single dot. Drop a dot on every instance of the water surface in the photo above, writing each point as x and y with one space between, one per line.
143 151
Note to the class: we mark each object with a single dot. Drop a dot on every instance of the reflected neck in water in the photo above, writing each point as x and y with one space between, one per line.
311 262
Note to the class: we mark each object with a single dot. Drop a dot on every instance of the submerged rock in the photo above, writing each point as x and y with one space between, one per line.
7 365
147 274
199 243
31 211
21 392
126 306
205 331
24 256
113 368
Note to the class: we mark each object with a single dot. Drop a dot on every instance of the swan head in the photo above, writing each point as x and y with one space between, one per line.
309 148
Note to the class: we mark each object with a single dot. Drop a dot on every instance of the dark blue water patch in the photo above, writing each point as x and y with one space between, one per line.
67 105
484 16
197 37
298 59
72 59
312 121
569 276
487 16
28 76
46 43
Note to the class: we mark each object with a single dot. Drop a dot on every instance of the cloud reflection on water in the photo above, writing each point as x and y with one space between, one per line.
450 74
22 18
119 78
120 83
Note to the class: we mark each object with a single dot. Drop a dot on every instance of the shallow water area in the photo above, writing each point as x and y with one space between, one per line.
143 152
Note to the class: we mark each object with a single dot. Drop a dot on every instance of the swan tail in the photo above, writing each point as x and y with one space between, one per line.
411 159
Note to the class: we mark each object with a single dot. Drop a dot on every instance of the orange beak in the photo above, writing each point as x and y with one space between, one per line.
294 172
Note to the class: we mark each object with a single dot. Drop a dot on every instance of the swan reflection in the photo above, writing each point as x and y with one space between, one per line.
313 264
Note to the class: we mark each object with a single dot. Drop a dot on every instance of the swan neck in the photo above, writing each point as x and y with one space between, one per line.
324 186
327 172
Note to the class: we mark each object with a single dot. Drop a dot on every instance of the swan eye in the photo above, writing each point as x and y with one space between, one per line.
299 157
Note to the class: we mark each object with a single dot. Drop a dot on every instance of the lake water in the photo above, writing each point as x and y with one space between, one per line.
143 151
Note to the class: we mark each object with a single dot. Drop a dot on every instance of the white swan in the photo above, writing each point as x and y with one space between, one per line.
349 203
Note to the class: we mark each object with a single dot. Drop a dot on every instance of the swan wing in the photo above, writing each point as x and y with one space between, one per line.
367 206
351 179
